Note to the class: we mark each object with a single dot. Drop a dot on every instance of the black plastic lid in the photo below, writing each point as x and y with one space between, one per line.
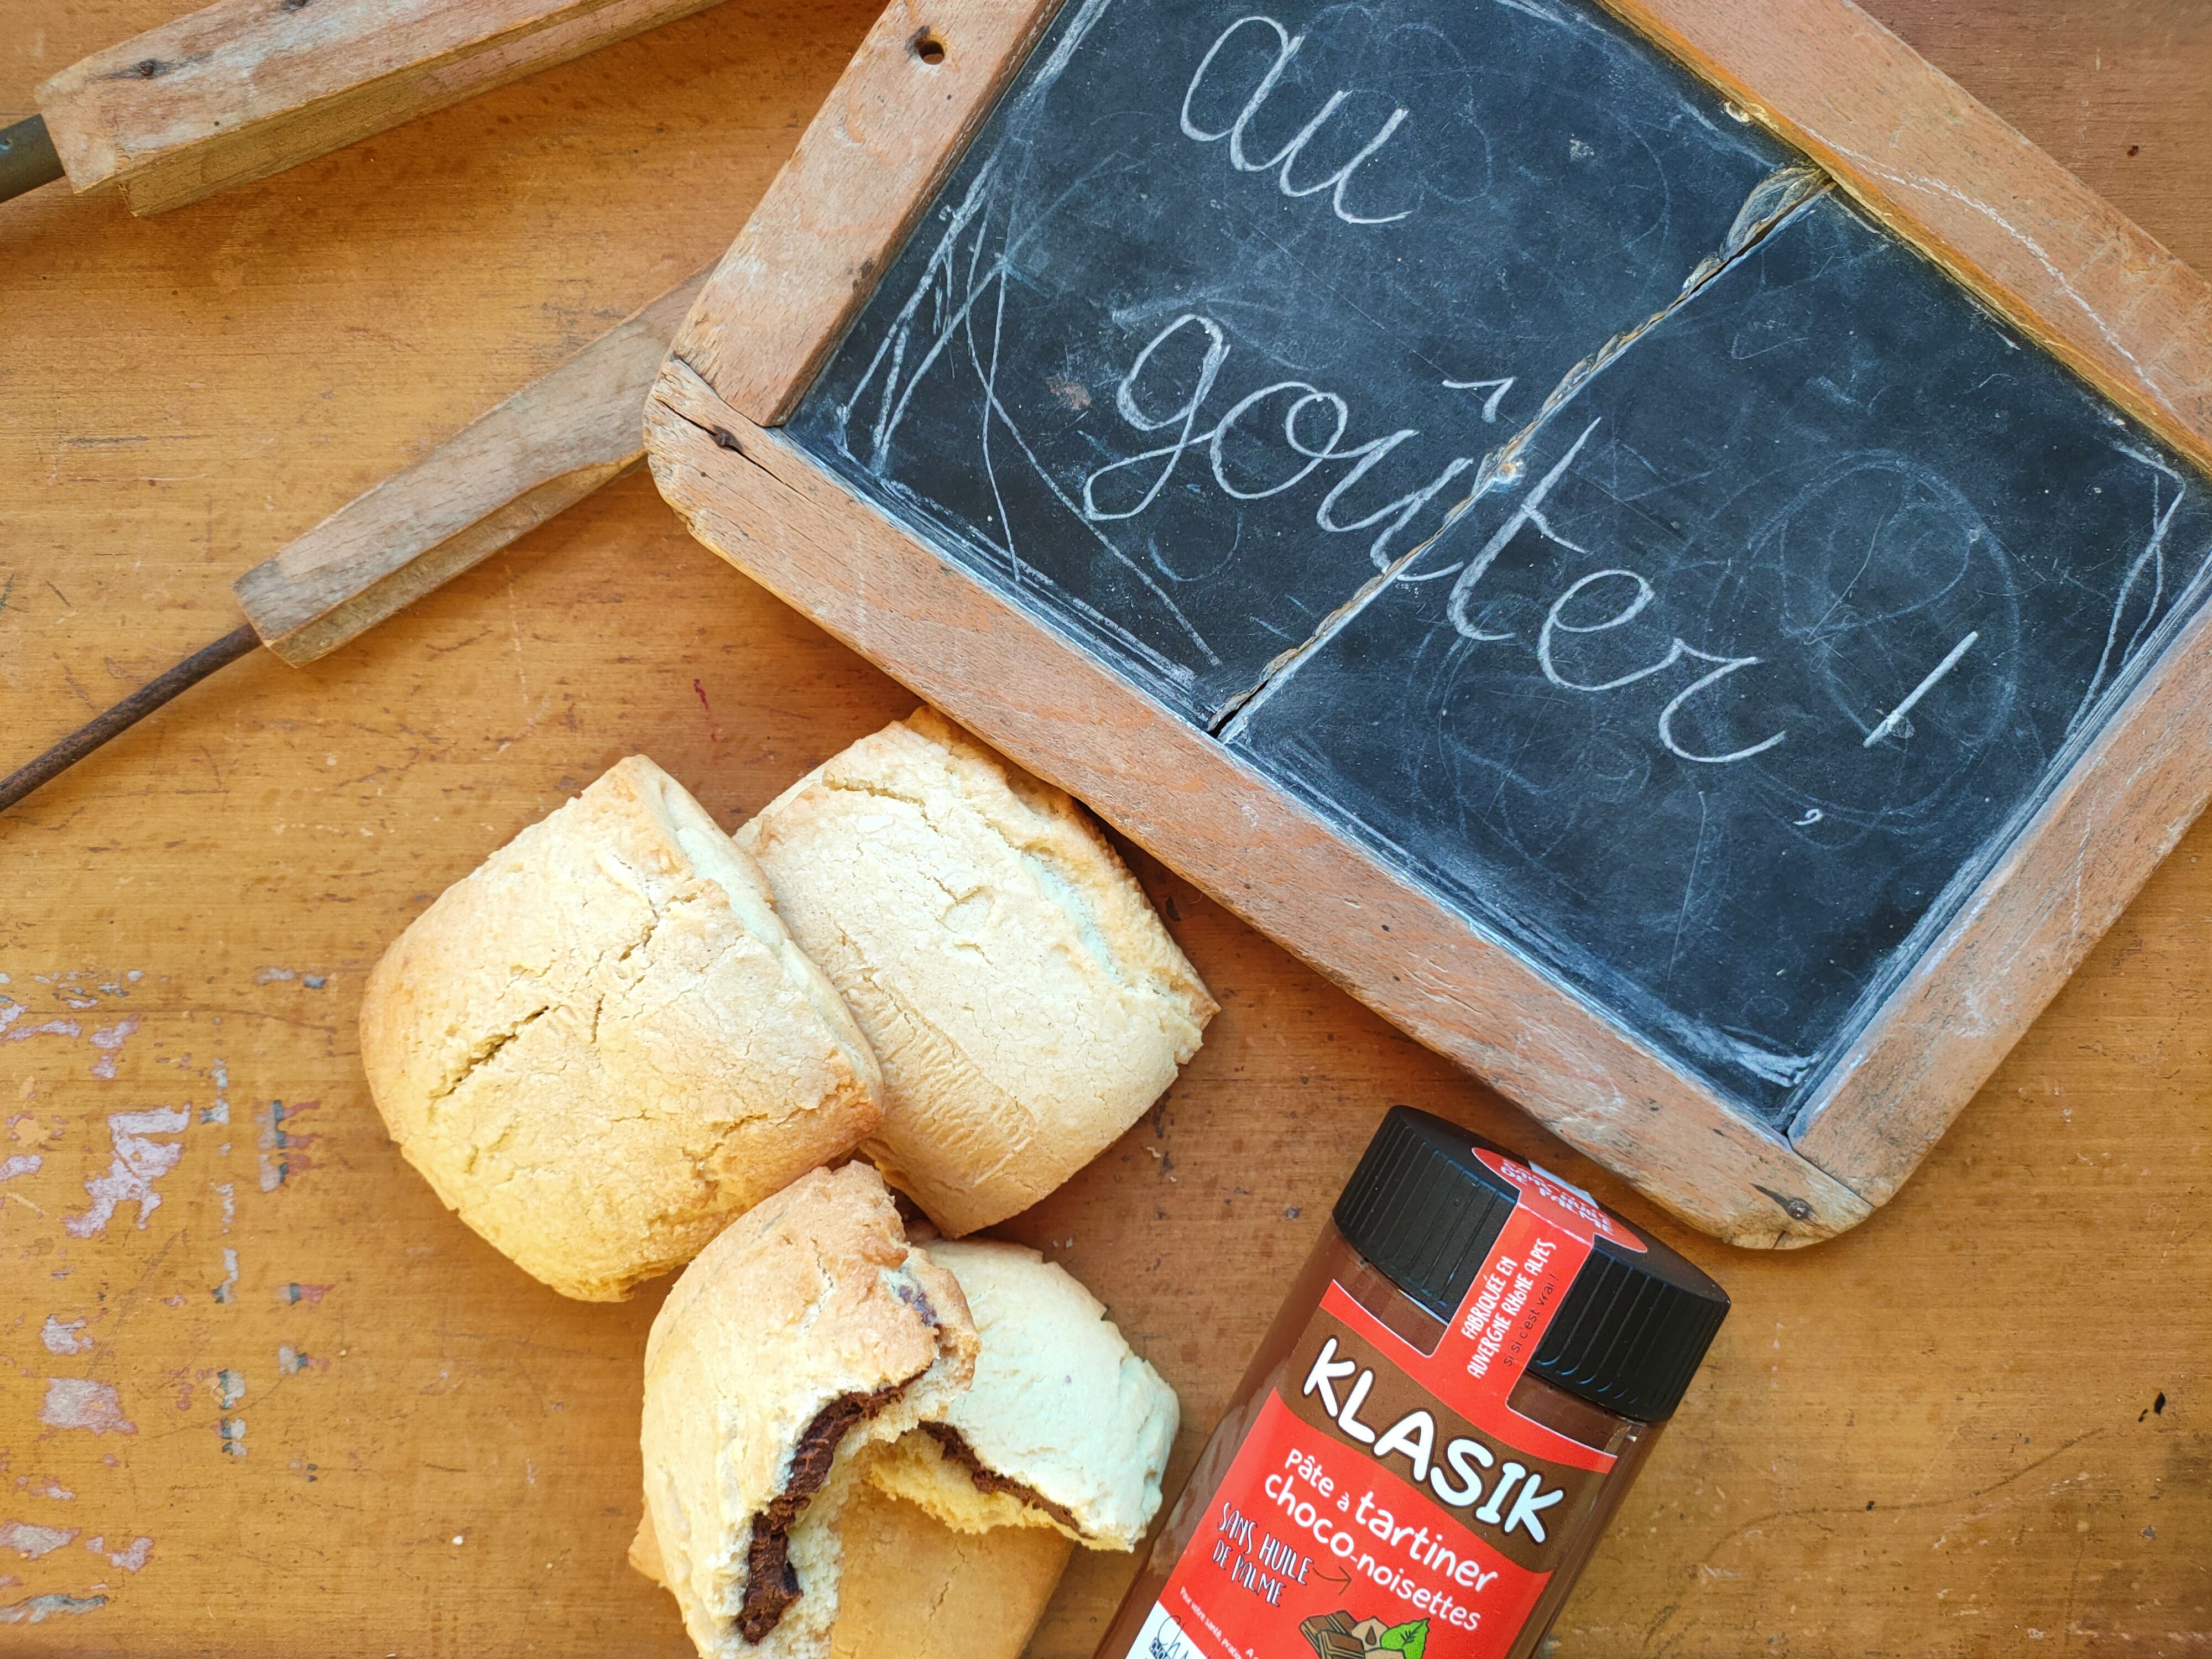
1425 1210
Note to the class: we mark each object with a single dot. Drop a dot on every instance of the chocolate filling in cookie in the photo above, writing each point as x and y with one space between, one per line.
955 1446
771 1585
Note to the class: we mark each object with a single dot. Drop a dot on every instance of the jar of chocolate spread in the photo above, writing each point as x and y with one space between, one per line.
1469 1373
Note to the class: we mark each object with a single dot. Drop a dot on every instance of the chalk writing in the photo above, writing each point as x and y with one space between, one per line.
1244 426
1546 478
1497 389
1892 720
1220 291
1286 49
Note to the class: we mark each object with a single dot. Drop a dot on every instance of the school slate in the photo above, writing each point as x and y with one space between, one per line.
1537 469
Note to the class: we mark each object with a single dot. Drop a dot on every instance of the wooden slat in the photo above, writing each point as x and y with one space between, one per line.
1944 172
244 88
760 503
545 448
839 209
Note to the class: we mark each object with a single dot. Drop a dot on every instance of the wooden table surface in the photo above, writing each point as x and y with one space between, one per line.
261 1394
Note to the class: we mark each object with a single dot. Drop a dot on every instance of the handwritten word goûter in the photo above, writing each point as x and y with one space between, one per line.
1303 428
1309 402
1283 160
1325 415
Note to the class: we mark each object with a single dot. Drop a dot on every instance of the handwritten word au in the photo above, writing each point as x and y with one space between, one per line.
1294 426
1284 160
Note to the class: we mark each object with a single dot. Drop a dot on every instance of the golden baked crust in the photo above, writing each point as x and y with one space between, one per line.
810 1298
1023 999
1060 1408
915 1589
602 1045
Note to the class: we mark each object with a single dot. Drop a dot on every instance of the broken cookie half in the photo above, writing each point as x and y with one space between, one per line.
806 1334
1064 1426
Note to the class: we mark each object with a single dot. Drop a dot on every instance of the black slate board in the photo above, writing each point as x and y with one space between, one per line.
1816 483
1096 292
1838 574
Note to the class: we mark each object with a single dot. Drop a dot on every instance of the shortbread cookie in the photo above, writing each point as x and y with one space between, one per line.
602 1045
1023 999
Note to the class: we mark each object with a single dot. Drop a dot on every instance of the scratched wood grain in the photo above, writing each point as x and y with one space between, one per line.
926 75
1935 1436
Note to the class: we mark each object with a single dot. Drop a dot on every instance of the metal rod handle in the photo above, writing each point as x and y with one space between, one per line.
127 713
26 157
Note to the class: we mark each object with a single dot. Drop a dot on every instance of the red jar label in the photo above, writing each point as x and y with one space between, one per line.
1389 1504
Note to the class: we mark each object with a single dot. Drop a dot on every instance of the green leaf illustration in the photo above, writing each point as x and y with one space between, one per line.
1409 1639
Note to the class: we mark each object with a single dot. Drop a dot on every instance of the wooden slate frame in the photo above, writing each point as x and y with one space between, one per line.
1908 145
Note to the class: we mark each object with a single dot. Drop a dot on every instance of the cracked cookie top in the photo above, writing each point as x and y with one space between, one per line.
603 1046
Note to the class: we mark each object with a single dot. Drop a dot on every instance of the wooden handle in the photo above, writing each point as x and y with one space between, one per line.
244 88
548 446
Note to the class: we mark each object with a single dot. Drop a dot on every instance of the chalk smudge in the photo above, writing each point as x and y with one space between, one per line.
108 1039
137 1164
22 1163
78 1402
220 1112
228 1194
32 1541
41 1607
65 1336
140 1551
279 975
